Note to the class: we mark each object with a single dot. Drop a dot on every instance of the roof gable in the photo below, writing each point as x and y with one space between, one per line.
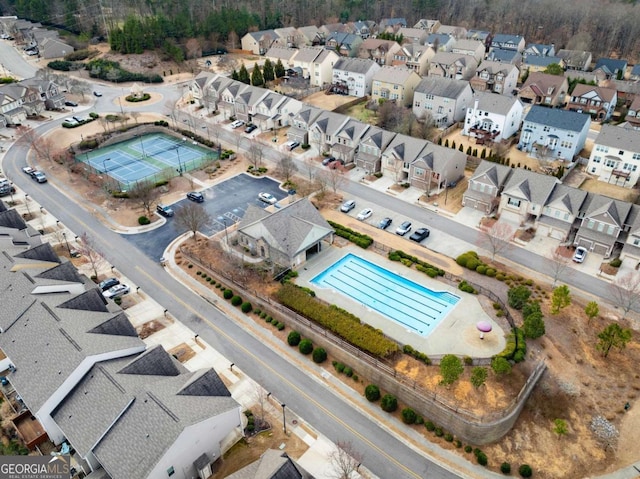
91 300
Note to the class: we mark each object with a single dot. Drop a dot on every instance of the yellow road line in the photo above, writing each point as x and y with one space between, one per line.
282 378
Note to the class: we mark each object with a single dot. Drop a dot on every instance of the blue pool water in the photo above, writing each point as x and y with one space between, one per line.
410 304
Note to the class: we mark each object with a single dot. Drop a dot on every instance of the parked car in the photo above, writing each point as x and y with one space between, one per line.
404 228
28 170
348 206
39 176
108 283
328 160
6 187
292 145
71 121
116 291
267 198
70 103
384 223
195 196
580 254
364 214
237 124
250 128
164 210
420 234
97 93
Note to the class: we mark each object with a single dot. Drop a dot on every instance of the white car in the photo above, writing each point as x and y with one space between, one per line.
237 124
364 214
268 198
116 291
71 121
28 170
580 254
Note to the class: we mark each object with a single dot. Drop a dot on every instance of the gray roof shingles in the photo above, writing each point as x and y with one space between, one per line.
556 118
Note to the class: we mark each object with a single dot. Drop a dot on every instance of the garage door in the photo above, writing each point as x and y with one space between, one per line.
557 234
600 249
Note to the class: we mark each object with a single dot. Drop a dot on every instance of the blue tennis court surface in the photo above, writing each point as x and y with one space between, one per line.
410 304
154 156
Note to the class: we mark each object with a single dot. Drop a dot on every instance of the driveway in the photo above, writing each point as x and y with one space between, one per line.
225 203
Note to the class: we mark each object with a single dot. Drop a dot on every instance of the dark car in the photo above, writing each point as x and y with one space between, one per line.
164 210
70 103
250 128
404 228
384 223
419 234
39 176
108 283
195 196
328 160
97 93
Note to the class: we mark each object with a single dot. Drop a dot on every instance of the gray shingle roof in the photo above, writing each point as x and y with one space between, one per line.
41 252
561 119
153 362
354 65
289 230
272 464
616 210
529 186
495 173
494 103
12 219
570 198
612 64
442 87
394 75
503 55
63 272
538 61
619 138
308 54
130 420
91 300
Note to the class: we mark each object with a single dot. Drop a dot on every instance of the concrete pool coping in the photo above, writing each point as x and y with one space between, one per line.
455 334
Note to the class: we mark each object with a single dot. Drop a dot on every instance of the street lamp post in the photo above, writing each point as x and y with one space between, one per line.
141 145
104 166
226 235
284 419
26 203
64 235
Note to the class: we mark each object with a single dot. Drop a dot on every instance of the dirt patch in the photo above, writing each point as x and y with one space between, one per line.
579 385
147 329
182 352
327 102
612 191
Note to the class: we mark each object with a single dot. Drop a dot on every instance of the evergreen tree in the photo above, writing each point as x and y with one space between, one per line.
256 76
243 75
267 71
279 69
234 75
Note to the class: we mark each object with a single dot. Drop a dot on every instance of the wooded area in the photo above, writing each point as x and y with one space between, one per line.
607 28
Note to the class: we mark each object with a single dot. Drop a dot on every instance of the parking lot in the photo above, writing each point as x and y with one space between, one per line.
225 203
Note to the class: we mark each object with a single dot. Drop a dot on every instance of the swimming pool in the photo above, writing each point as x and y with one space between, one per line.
410 304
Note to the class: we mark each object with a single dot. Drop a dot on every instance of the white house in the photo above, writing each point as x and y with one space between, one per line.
493 117
616 155
356 74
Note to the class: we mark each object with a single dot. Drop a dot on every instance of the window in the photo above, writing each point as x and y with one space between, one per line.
419 172
591 224
636 241
171 471
600 227
610 163
514 202
636 156
546 128
597 159
610 230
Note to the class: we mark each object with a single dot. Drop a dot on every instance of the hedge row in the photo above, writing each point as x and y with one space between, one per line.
422 266
346 370
339 321
362 240
514 350
113 72
407 349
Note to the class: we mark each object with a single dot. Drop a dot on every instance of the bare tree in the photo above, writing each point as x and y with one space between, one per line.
344 460
255 154
262 399
558 263
193 217
625 292
87 248
287 168
310 169
146 193
322 181
398 170
497 238
135 115
45 148
336 179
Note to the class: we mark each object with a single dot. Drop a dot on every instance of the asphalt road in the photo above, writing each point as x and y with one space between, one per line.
13 60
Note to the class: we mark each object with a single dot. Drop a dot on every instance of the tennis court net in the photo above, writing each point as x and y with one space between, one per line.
174 146
119 163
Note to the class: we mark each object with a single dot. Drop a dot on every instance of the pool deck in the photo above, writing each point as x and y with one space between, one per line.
456 333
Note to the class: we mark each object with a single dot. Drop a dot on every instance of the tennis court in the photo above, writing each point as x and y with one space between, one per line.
154 156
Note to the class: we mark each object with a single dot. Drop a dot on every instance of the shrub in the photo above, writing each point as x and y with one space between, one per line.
389 403
198 273
257 311
457 443
263 315
438 432
419 420
355 377
505 468
500 277
430 426
228 294
280 326
372 393
616 262
500 366
246 307
339 367
468 448
448 437
218 286
294 338
143 220
236 300
319 355
481 457
305 346
348 371
518 296
491 273
409 416
466 287
525 470
268 319
482 269
468 360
